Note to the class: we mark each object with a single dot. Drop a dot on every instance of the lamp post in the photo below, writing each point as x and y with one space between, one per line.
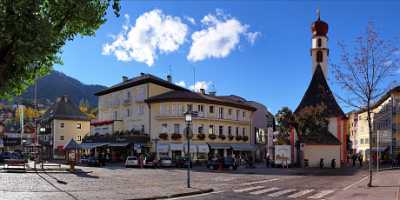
188 120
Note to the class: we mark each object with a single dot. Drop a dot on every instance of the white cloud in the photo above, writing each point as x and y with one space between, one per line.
191 20
200 85
153 33
181 83
219 38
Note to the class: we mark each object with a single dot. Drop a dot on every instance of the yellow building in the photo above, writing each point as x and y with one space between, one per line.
385 124
155 107
62 122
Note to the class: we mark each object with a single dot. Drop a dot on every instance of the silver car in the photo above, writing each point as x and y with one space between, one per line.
131 161
166 162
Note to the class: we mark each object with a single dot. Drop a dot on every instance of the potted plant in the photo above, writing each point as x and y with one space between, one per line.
212 136
230 137
163 136
222 137
201 136
238 137
245 138
176 136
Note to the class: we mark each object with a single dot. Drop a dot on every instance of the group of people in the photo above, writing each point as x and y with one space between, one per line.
357 157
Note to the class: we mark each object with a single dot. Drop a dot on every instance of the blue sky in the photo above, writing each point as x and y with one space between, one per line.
265 57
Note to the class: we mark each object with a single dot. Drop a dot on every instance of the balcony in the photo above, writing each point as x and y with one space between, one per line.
200 116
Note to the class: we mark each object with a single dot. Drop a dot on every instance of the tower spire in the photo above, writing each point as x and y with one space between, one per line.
318 14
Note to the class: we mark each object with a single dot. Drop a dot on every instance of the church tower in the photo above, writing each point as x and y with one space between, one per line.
319 48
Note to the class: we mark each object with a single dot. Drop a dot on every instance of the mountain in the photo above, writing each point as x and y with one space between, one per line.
57 84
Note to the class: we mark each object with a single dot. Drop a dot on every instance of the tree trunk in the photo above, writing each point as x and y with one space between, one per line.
370 145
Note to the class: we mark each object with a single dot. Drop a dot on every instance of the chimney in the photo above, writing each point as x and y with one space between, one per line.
124 78
141 74
212 93
169 78
202 91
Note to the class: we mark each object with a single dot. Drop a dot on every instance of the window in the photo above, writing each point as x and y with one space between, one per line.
211 129
128 113
61 137
78 138
319 42
141 109
244 114
189 107
366 141
362 141
229 130
200 129
230 112
244 131
61 125
237 114
164 128
79 126
221 130
211 109
176 128
200 108
115 115
142 128
319 56
221 113
237 131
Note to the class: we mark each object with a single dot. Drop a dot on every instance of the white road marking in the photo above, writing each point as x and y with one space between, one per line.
321 194
301 193
258 182
249 189
353 184
264 191
197 195
280 193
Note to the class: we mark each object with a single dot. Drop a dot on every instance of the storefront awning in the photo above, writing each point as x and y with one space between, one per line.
162 148
93 145
243 147
203 148
379 149
219 146
123 144
176 147
193 148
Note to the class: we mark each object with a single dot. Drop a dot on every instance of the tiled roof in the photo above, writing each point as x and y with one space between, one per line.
64 108
199 97
320 138
319 93
144 78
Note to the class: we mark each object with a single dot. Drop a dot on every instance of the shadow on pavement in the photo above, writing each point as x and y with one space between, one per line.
55 186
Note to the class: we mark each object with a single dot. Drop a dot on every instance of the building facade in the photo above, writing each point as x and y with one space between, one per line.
61 122
155 108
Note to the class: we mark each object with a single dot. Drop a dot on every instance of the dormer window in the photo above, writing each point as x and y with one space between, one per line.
319 42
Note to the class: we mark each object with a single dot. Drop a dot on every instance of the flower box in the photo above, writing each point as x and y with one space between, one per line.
163 136
231 137
238 137
222 137
245 138
176 136
201 136
212 136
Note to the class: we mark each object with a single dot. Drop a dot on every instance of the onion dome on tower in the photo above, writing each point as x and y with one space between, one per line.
319 27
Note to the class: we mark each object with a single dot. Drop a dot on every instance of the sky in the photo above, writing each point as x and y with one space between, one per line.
259 50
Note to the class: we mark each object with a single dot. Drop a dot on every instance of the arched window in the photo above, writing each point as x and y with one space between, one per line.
319 42
319 56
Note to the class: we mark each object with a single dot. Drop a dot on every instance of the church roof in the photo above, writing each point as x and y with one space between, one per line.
319 93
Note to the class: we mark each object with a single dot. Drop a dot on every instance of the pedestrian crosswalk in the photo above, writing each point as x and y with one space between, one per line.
276 192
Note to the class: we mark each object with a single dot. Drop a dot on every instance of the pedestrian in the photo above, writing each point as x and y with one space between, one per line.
141 160
267 160
354 158
360 159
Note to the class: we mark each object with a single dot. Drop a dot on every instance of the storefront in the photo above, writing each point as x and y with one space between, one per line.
220 150
244 150
176 151
163 150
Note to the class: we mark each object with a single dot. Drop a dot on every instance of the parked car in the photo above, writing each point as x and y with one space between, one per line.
213 163
150 161
183 162
94 162
229 163
131 161
84 159
166 162
10 155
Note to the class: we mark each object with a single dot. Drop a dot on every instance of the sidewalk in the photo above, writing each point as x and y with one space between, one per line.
386 186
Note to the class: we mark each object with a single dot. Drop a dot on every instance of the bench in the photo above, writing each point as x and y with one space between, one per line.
43 165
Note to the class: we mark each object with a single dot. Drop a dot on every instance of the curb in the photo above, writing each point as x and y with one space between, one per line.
185 194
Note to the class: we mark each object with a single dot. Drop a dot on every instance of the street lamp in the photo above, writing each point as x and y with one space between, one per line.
188 120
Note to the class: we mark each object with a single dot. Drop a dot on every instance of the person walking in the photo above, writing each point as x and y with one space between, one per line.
354 158
268 161
360 159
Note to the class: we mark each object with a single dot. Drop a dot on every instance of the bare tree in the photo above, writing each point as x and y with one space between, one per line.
367 73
